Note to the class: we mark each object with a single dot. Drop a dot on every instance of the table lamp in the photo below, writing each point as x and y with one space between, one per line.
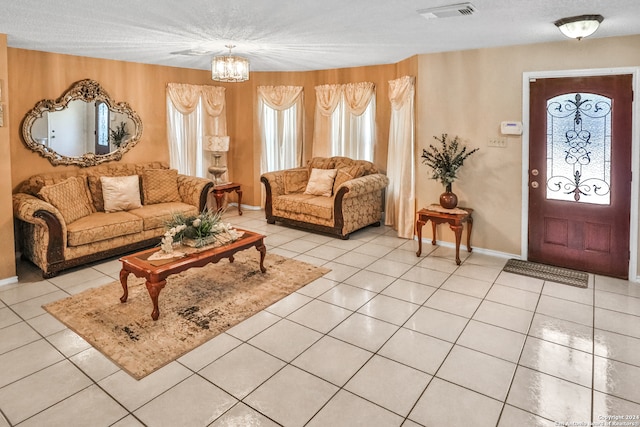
217 145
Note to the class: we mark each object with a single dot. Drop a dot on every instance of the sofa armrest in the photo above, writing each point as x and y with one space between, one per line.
35 211
194 190
273 183
364 184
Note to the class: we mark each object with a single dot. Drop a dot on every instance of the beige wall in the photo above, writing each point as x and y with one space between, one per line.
7 249
468 93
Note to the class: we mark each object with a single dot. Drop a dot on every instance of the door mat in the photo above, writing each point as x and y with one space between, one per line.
565 276
195 306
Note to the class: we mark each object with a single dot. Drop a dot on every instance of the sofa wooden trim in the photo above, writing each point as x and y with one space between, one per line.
30 211
352 188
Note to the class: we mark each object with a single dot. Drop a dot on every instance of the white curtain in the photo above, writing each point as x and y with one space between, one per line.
280 117
345 121
400 197
192 113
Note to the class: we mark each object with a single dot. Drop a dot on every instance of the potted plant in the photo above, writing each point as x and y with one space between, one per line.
118 134
445 159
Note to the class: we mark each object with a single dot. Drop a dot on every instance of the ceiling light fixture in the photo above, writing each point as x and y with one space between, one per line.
577 27
230 68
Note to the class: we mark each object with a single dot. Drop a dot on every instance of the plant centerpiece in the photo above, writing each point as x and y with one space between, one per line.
207 228
118 134
445 159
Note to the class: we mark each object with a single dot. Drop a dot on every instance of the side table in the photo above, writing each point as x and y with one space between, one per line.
219 190
454 217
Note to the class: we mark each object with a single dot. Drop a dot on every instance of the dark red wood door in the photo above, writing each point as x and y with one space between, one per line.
580 173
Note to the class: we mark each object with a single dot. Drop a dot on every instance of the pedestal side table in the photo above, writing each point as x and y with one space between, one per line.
454 217
219 190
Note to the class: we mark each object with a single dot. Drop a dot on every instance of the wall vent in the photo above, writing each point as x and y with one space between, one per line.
449 11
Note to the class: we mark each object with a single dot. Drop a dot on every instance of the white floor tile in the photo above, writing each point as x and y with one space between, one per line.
291 397
30 395
389 384
285 340
453 302
557 360
493 340
389 309
332 360
89 407
436 323
290 370
243 415
319 316
562 332
347 410
364 331
193 402
416 350
446 404
242 370
478 371
616 378
550 397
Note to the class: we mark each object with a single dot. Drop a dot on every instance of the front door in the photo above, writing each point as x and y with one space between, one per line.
580 173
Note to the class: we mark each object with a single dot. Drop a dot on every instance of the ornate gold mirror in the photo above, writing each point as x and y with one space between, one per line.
83 127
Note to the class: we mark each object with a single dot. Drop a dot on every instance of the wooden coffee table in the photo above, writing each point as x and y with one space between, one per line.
156 272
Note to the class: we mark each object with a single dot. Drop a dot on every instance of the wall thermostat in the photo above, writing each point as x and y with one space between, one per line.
511 128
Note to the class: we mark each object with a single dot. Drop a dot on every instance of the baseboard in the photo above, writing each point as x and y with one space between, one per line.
427 242
246 207
8 281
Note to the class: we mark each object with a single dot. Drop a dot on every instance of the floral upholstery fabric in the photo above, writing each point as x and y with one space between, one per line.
102 226
70 197
160 186
159 214
95 233
295 180
361 204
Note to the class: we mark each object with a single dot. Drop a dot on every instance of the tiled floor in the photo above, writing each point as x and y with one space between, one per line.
384 339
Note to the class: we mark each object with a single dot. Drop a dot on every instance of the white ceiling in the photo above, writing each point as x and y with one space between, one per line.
279 35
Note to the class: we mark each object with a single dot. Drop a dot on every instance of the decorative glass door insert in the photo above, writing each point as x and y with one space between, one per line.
579 148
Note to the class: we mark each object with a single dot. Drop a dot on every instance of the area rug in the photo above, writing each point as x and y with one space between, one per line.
547 272
195 306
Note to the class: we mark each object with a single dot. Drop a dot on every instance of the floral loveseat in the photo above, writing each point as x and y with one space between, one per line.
336 195
65 219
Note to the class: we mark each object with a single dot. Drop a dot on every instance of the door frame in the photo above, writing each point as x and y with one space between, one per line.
635 155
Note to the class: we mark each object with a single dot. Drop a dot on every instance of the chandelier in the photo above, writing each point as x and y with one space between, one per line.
230 68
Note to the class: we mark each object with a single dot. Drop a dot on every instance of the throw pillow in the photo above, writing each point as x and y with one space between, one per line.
120 193
295 181
321 182
160 186
345 174
70 197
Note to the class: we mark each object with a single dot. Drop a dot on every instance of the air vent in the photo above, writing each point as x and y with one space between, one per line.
450 11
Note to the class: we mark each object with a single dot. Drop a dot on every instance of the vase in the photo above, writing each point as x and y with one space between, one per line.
448 199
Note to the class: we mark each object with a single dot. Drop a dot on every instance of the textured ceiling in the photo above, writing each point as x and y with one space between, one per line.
279 35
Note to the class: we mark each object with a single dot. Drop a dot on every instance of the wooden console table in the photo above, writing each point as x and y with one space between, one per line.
456 218
219 190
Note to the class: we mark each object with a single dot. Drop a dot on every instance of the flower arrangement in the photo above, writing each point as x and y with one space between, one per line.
118 134
446 159
198 231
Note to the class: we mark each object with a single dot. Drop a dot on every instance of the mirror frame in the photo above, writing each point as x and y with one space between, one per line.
89 91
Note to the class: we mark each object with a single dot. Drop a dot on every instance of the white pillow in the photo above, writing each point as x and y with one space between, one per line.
120 193
321 182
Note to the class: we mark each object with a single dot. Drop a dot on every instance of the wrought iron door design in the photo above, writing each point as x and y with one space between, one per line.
579 148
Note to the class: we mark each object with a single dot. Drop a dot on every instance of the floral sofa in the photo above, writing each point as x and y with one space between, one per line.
65 219
335 195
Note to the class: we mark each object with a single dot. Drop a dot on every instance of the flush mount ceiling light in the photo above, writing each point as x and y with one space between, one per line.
230 68
577 27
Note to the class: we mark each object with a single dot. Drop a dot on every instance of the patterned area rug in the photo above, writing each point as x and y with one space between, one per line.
195 306
547 272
